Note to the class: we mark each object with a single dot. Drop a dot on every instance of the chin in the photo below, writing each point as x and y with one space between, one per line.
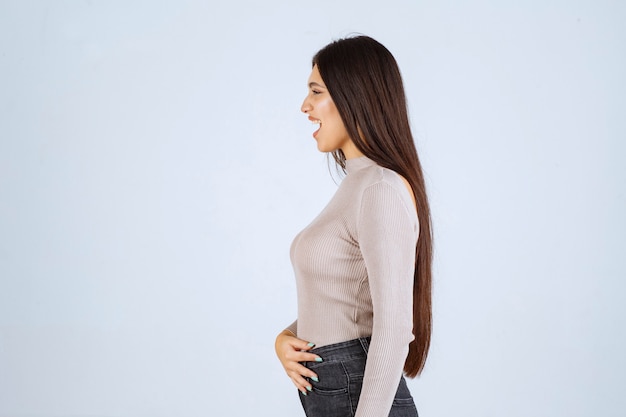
321 147
324 148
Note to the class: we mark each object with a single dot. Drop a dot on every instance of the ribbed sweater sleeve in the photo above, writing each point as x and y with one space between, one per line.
387 234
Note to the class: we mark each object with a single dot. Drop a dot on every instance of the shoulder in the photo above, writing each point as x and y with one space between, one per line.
379 178
385 188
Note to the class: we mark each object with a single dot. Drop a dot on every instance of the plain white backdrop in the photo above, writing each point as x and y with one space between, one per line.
154 167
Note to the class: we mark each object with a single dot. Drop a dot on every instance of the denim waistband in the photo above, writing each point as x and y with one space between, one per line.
356 348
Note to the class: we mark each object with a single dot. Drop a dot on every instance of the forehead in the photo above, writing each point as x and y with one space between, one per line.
315 76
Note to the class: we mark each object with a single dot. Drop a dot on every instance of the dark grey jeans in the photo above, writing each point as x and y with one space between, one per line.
340 380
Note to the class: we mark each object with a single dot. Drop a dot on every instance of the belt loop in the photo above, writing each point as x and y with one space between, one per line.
364 343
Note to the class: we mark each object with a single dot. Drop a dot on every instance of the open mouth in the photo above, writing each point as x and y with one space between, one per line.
316 122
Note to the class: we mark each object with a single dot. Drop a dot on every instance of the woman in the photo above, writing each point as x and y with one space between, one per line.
363 266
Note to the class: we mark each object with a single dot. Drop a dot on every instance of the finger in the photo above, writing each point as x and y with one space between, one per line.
302 384
303 357
303 345
297 369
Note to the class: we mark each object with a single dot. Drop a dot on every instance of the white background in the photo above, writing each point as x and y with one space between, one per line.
154 167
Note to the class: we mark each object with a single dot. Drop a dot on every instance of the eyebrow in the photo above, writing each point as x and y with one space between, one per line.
314 84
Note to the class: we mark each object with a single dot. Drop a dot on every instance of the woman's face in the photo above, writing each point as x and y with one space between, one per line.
321 109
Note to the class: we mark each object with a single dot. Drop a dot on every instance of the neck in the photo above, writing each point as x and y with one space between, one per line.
350 151
357 163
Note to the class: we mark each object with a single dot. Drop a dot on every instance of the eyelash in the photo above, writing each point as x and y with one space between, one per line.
316 92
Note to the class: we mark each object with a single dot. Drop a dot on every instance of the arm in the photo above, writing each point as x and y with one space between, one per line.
388 230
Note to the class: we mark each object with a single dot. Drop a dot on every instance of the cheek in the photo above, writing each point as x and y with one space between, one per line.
323 108
337 123
331 114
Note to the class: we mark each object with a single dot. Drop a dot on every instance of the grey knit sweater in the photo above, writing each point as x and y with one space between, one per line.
354 268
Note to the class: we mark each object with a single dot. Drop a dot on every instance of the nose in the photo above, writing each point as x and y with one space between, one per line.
306 105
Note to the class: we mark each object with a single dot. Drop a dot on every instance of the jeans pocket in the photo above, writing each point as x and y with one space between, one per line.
407 410
403 404
326 404
330 396
325 391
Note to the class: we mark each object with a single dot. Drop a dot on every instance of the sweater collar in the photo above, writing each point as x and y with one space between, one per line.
356 164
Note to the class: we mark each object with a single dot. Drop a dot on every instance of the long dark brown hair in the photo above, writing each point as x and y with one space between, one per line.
364 81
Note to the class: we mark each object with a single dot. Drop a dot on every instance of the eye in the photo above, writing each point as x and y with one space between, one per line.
316 92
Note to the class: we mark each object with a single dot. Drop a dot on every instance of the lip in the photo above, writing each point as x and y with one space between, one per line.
318 121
